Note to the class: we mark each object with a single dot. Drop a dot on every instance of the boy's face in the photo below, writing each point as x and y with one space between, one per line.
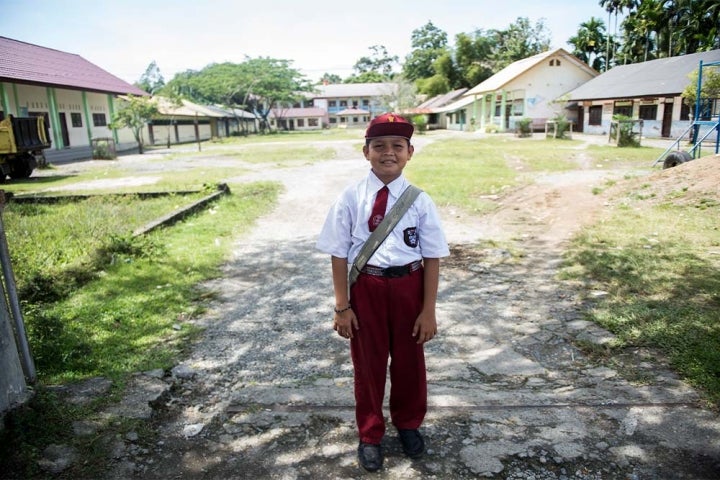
388 156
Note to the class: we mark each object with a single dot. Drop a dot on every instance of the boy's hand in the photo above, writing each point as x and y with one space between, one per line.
345 322
425 327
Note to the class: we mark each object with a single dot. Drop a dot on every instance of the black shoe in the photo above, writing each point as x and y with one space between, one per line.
412 443
370 456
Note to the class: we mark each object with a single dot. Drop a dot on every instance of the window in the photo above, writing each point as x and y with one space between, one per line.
595 115
332 103
517 107
555 62
648 112
300 122
623 108
76 119
343 103
333 120
99 119
366 103
312 122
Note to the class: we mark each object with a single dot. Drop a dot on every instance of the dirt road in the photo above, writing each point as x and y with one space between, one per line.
267 391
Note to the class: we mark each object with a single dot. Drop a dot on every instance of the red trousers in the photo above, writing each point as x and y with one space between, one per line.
386 309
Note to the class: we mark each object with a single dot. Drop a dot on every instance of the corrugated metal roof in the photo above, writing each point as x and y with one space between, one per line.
665 76
230 112
27 63
441 100
515 69
462 102
345 90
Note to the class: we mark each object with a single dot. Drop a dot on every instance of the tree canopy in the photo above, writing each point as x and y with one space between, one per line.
258 85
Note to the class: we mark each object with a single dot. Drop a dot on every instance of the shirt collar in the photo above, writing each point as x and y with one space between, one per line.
396 187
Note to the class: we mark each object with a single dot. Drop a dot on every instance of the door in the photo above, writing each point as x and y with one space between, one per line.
581 119
64 130
667 120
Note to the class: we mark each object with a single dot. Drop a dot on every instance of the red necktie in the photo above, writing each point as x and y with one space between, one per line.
378 211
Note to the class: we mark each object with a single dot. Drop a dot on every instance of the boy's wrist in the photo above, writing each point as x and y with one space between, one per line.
342 309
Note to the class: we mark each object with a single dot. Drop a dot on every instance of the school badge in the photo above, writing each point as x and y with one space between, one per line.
411 237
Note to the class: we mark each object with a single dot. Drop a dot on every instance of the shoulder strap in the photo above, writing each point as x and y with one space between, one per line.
378 236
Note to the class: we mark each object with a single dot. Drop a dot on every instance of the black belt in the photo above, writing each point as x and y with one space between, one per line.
392 272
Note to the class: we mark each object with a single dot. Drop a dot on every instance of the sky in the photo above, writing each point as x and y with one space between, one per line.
124 36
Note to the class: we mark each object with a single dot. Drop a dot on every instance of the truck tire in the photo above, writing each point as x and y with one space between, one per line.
22 167
673 159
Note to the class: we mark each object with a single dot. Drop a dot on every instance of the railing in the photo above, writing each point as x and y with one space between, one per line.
697 144
675 144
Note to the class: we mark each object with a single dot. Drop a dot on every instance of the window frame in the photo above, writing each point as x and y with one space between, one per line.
595 115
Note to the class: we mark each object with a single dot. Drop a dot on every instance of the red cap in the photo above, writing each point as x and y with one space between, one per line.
389 124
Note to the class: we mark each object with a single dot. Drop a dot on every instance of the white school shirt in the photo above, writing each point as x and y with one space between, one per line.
418 234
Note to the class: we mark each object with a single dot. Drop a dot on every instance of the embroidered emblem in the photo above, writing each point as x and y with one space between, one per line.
375 220
390 118
410 236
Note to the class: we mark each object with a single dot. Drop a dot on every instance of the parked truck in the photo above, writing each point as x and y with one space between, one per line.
22 141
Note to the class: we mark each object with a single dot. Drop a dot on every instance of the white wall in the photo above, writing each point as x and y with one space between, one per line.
544 83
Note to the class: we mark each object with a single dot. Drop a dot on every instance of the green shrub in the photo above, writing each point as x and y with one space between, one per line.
524 127
103 150
627 137
562 126
420 123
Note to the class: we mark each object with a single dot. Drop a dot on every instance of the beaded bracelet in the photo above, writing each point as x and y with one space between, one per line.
341 310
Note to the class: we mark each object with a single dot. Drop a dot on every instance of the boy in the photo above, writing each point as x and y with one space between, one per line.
393 309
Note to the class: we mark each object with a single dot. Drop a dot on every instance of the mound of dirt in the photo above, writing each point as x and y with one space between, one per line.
687 183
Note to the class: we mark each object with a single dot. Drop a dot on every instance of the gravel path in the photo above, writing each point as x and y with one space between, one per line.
267 391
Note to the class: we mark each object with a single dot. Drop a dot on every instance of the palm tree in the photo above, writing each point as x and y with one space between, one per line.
615 7
588 43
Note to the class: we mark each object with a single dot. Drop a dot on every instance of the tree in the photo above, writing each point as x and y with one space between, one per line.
428 43
379 62
659 28
366 77
135 113
710 88
152 80
588 43
613 7
273 83
258 84
473 58
433 86
520 40
329 79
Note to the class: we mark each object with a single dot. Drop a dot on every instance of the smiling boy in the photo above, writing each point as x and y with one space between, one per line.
389 312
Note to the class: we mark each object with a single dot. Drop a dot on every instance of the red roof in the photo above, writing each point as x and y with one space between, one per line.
22 62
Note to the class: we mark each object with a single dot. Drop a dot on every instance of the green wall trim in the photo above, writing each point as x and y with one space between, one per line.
17 99
5 99
111 110
55 119
88 118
